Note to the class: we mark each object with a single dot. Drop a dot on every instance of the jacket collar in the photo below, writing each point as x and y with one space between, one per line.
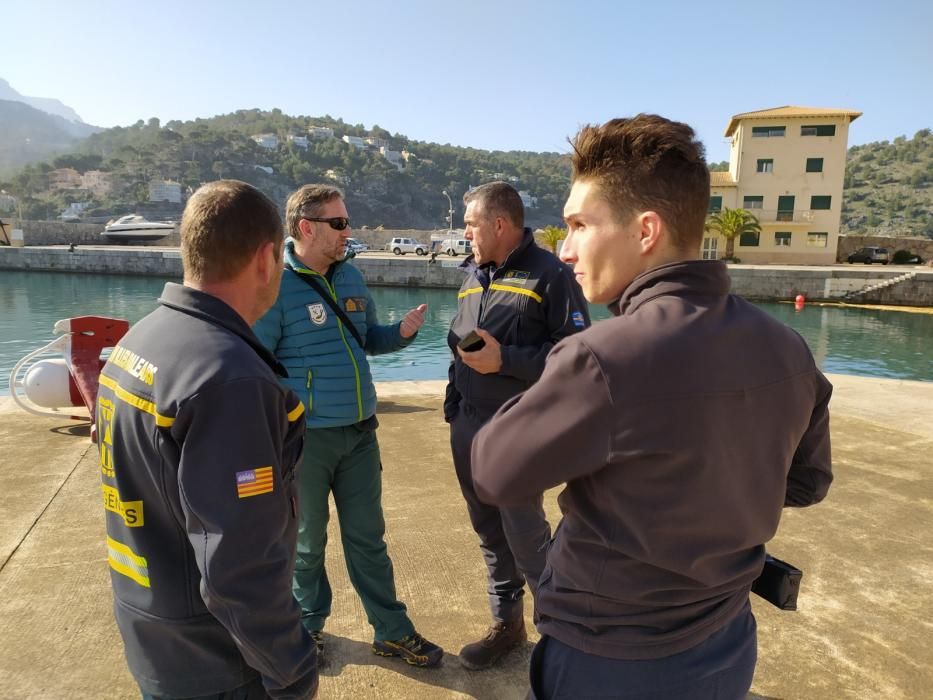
528 240
683 278
209 308
291 258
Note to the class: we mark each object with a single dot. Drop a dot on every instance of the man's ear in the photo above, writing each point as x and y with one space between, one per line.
652 231
304 228
266 262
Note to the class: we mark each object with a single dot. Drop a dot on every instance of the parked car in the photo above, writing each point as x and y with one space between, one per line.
870 254
456 246
400 246
355 247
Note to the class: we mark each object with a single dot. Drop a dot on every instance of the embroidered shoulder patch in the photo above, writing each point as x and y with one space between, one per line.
354 304
254 482
578 321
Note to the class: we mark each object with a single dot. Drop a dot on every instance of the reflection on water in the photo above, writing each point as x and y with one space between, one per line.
848 341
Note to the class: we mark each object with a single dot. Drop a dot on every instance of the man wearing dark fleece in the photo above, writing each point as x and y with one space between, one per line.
681 427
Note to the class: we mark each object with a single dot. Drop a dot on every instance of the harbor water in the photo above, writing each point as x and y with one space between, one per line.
863 342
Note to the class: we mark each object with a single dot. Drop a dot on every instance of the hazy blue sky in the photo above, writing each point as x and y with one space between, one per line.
497 75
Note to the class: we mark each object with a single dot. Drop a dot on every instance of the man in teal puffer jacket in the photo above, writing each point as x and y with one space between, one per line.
327 366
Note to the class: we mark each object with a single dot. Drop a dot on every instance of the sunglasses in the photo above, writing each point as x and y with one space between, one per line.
338 223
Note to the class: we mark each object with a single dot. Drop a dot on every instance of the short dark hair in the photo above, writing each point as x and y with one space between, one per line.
223 225
307 200
499 199
647 163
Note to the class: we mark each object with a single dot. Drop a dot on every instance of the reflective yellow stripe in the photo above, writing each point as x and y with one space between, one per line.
136 401
472 290
296 412
125 561
517 290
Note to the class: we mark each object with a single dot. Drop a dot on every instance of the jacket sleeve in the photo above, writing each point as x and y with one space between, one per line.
811 470
451 395
558 430
269 328
567 313
382 339
239 520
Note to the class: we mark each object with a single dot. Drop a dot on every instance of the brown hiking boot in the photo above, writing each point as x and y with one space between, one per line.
500 639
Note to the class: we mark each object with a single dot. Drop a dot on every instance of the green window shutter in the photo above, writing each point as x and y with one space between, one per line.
821 202
782 239
749 240
768 131
753 202
715 205
818 130
766 165
814 165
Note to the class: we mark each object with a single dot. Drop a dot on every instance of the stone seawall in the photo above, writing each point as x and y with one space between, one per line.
42 233
750 281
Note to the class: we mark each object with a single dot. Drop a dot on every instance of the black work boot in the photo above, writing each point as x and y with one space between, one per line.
500 639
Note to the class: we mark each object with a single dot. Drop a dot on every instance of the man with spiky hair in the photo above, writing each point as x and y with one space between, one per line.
680 427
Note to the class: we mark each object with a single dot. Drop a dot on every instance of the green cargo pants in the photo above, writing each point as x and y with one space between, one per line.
346 461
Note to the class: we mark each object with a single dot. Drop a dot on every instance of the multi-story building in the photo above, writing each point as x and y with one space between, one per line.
394 157
165 191
269 141
97 181
355 141
298 141
786 166
65 179
528 200
375 142
320 132
7 201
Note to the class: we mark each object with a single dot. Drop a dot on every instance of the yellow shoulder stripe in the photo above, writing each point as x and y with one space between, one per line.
517 290
136 401
296 412
471 290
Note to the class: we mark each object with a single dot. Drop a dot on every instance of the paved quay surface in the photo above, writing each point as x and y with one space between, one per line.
864 628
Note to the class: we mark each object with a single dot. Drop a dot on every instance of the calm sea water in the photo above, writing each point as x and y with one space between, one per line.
847 341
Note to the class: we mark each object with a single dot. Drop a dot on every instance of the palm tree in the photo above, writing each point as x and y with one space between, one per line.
552 235
730 223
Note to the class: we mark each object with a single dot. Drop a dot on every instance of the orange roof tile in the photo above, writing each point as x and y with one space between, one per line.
790 111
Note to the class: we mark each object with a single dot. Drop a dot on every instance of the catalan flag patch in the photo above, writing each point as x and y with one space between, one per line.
254 482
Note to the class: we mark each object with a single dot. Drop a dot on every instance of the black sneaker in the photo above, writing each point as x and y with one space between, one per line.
415 649
318 638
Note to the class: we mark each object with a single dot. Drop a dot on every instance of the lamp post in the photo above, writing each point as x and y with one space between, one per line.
450 214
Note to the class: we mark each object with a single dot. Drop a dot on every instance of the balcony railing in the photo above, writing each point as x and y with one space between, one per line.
797 216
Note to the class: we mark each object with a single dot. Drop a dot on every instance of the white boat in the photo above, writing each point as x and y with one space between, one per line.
136 228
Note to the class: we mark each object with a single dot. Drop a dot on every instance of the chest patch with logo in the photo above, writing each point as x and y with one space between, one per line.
516 277
354 304
318 314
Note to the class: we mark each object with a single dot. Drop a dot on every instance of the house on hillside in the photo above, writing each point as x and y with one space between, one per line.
165 191
269 141
786 166
320 133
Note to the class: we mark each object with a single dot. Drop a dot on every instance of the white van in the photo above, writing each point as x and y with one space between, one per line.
456 246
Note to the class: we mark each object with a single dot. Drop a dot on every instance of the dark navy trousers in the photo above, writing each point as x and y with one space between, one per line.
513 540
720 668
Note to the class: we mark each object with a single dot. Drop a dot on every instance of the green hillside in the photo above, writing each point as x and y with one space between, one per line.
377 192
889 187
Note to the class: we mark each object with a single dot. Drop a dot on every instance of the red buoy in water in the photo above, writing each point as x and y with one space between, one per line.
799 301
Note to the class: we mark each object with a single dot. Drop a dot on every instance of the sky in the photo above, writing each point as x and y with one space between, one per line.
500 75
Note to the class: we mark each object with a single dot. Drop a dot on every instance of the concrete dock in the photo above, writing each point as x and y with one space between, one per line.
864 628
